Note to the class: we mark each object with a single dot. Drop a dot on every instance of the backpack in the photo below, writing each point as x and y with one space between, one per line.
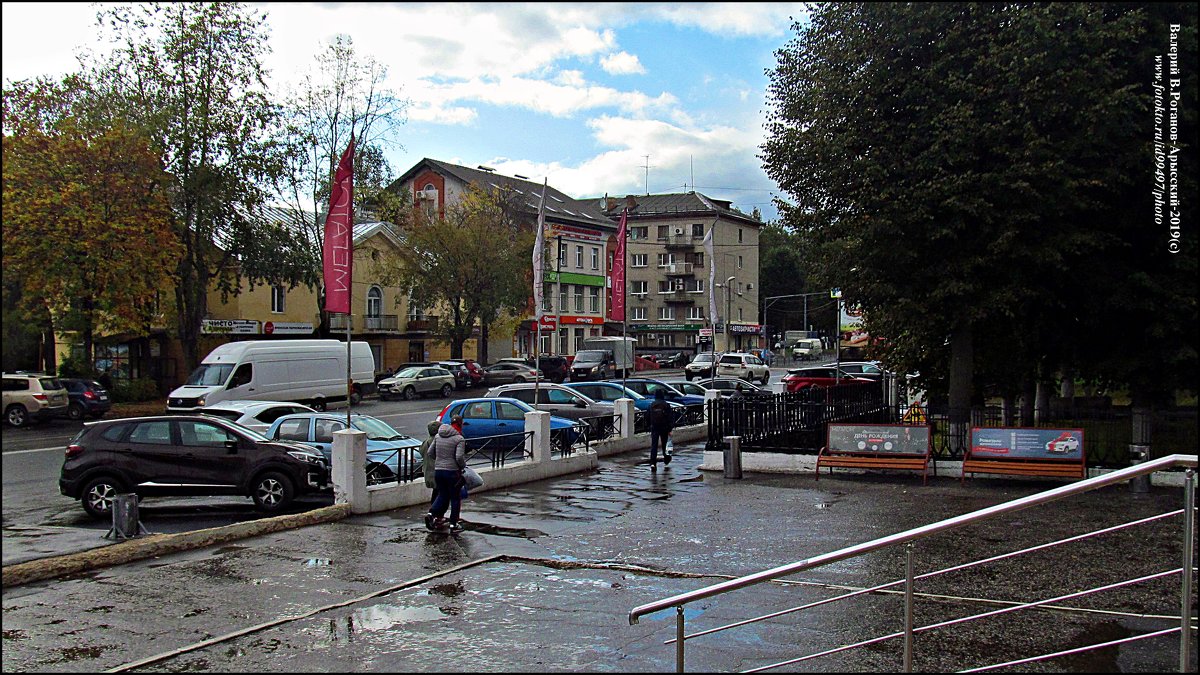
658 414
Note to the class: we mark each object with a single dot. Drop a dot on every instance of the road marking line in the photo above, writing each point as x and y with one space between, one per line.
60 448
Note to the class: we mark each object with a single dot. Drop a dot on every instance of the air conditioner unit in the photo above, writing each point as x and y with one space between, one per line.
679 231
750 286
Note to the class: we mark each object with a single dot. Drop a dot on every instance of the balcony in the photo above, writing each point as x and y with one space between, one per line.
386 323
422 324
679 297
340 322
681 239
679 269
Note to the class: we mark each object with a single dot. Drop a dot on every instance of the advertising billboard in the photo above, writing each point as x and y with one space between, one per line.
1027 443
884 438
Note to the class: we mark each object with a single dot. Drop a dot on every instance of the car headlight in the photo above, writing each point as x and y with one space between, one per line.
200 401
305 457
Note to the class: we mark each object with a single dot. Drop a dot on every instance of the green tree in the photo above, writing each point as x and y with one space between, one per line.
948 162
470 263
87 224
191 76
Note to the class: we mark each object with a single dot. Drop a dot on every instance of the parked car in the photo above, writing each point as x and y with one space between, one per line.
475 370
642 363
462 375
33 396
869 370
672 360
685 387
501 416
417 381
647 387
256 415
555 368
86 398
703 364
743 365
505 372
727 385
611 391
389 452
556 399
799 379
185 455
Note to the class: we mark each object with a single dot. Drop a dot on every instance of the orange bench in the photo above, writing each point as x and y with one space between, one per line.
1023 467
873 460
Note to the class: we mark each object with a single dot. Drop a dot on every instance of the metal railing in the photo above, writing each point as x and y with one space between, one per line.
496 451
909 536
399 466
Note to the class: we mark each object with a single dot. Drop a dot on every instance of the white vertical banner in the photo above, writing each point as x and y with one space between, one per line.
538 264
712 274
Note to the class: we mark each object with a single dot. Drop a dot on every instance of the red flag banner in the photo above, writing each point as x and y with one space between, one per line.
616 309
338 247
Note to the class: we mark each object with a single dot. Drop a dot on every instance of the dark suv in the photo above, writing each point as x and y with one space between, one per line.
555 368
462 375
88 398
186 455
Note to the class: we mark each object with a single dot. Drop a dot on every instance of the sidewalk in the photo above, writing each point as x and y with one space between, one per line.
564 560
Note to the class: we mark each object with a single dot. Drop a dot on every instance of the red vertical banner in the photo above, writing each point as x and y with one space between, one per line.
338 247
616 309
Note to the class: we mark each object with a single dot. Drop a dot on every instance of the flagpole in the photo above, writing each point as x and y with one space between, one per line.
537 296
625 295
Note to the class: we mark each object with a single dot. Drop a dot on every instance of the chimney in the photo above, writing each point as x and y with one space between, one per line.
610 203
630 202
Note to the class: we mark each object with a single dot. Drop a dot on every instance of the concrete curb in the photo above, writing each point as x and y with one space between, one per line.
162 544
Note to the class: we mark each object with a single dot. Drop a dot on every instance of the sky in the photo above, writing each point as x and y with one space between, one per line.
598 98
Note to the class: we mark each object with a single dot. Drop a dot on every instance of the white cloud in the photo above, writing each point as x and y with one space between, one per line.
622 63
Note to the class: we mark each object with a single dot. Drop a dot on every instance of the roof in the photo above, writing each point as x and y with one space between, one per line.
560 207
672 205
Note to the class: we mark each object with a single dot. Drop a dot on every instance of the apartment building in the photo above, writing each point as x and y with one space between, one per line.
680 287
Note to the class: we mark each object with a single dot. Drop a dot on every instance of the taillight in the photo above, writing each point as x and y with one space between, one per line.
89 394
74 450
443 413
41 397
533 373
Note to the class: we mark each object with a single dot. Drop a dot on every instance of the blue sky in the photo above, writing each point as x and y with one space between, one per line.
577 93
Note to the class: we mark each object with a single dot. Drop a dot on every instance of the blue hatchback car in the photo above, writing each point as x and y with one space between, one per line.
500 416
389 452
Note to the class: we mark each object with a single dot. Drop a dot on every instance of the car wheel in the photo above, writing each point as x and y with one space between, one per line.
75 412
17 415
355 396
272 491
409 393
319 405
766 379
97 496
519 380
379 473
446 389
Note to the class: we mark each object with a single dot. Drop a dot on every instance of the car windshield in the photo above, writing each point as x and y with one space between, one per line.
705 358
408 372
50 383
230 415
652 387
378 430
210 374
590 356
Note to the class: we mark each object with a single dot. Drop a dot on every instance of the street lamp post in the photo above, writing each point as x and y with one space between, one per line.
727 286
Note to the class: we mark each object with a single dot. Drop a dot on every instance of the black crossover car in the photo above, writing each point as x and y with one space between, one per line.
186 455
88 398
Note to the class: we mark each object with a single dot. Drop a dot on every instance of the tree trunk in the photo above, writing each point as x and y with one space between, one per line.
962 364
1028 395
1041 403
482 348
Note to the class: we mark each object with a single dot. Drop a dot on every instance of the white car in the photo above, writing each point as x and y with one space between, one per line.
746 366
256 415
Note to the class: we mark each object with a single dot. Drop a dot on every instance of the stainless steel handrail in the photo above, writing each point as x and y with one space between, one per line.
908 536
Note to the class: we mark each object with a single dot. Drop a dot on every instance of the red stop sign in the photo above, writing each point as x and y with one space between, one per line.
268 328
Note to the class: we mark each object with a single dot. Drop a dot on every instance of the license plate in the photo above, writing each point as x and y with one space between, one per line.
103 397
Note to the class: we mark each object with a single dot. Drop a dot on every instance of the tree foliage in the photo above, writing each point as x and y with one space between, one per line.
952 169
469 263
190 75
87 224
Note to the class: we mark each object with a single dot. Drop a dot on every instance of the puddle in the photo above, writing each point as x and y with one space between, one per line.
316 562
383 617
76 653
824 505
670 612
488 528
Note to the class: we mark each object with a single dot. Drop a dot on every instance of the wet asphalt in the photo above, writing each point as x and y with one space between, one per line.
566 559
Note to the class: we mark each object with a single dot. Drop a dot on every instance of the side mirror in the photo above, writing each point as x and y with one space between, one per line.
580 404
231 447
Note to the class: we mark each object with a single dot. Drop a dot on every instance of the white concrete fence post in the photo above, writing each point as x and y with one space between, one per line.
538 445
623 412
710 395
349 470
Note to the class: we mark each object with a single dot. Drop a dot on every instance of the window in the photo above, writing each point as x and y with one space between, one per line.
375 302
637 313
665 259
695 313
594 300
562 254
638 233
579 257
699 259
579 298
665 286
637 287
202 435
739 264
578 339
151 433
244 375
699 287
637 260
525 395
325 428
562 296
739 235
698 230
478 410
278 293
563 341
666 313
740 314
663 230
595 258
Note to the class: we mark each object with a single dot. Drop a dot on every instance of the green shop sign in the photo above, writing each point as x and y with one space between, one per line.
575 278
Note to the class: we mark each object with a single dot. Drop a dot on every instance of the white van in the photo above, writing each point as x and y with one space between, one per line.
806 348
312 372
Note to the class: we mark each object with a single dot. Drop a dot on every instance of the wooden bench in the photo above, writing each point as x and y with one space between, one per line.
873 460
1023 467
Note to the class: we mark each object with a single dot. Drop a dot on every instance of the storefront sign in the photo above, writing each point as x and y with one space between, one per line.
287 328
745 328
894 439
229 327
576 278
706 332
582 320
1023 443
664 327
548 323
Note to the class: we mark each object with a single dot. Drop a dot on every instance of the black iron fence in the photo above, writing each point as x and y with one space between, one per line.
400 466
794 422
496 451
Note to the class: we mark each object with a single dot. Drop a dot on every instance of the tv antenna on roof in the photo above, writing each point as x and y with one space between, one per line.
647 167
